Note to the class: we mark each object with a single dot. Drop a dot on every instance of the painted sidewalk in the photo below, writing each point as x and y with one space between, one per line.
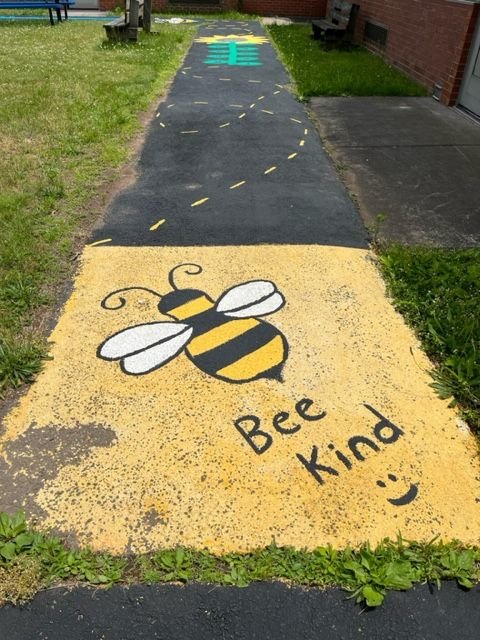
228 369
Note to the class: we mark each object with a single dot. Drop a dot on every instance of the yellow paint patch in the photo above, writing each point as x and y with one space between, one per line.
179 472
192 308
240 39
220 335
197 203
155 226
99 242
238 184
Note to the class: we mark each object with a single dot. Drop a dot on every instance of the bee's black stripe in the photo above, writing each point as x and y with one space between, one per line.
231 351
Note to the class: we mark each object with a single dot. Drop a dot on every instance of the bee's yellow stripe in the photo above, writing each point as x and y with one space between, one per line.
260 360
219 335
191 308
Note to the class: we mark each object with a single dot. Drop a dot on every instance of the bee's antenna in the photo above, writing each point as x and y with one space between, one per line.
171 275
122 302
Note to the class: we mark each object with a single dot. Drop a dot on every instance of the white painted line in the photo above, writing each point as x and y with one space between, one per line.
227 124
295 120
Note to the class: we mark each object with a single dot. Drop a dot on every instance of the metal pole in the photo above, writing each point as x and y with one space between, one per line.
133 21
147 16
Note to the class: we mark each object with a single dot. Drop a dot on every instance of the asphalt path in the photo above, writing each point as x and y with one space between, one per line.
222 125
259 612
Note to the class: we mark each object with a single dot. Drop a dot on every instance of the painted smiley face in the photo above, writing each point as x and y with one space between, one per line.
406 498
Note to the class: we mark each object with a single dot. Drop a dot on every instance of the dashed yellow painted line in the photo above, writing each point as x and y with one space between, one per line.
261 98
237 106
190 131
270 113
252 105
295 120
162 124
255 81
198 77
225 79
158 224
226 124
242 115
170 105
301 143
238 184
197 203
305 132
99 242
200 102
270 170
157 115
292 155
275 93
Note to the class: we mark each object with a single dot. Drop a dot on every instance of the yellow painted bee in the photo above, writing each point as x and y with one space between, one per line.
225 339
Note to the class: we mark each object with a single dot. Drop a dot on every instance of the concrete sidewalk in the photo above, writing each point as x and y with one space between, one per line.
410 159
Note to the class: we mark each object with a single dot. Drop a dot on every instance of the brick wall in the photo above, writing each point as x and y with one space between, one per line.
285 7
428 39
260 7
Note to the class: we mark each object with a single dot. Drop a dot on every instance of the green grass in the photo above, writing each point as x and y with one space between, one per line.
30 561
320 72
438 292
69 106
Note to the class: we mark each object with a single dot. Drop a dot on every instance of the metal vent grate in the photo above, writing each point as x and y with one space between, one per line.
375 33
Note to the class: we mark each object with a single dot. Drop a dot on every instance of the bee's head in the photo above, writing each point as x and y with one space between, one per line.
184 303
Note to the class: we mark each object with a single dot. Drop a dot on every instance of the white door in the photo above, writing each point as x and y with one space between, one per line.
470 92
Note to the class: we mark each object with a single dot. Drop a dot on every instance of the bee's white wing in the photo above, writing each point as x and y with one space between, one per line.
251 299
146 347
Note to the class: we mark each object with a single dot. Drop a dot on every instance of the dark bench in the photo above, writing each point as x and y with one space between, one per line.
339 25
137 15
51 5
